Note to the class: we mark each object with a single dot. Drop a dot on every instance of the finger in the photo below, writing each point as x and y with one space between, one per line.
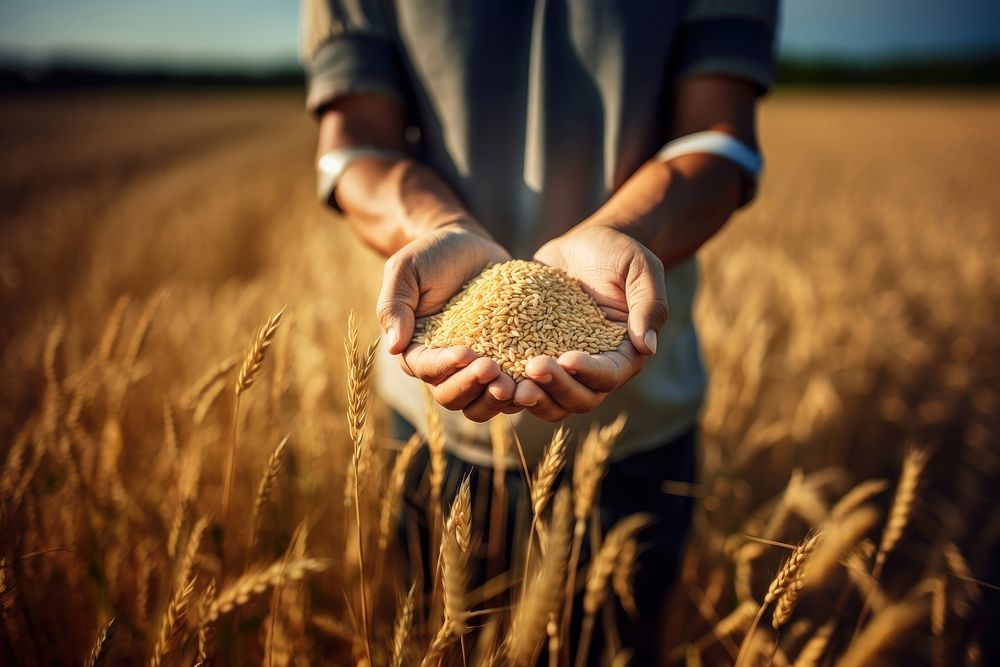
646 296
434 365
602 372
466 385
498 395
534 399
397 301
561 386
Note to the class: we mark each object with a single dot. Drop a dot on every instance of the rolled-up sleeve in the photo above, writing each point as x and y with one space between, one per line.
730 37
348 46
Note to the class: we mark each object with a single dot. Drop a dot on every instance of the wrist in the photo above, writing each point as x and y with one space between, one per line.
635 228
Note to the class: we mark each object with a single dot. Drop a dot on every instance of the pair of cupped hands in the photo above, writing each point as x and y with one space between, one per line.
625 278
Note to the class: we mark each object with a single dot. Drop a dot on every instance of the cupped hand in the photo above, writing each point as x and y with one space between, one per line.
417 281
627 281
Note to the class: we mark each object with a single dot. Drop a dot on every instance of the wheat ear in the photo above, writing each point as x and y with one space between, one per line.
173 618
903 503
401 632
206 629
252 362
541 485
393 495
112 329
186 563
588 470
779 585
256 582
857 496
100 654
548 470
621 579
813 650
268 480
601 568
735 621
885 628
193 396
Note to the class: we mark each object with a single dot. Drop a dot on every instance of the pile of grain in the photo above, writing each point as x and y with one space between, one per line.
517 310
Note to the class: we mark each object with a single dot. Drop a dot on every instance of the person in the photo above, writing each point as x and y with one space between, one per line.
609 139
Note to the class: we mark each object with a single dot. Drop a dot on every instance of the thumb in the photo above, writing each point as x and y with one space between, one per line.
646 297
397 302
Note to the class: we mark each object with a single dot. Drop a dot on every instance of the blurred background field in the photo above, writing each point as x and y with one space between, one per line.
157 204
850 313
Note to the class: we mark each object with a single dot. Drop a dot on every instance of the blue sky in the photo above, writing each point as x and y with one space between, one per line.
259 33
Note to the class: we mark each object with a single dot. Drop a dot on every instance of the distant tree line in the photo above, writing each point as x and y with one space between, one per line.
981 71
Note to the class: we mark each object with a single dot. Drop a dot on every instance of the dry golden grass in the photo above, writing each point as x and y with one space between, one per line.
849 315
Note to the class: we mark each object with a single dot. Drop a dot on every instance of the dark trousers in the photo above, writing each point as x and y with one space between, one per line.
632 485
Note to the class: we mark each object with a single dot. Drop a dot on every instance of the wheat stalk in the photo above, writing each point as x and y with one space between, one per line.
252 362
196 392
500 447
543 597
960 568
454 562
601 568
436 450
735 621
141 332
939 619
360 366
208 400
541 485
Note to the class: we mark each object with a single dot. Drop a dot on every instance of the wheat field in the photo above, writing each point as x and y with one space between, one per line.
194 472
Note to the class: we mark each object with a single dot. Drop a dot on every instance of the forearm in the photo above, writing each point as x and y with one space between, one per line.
388 202
674 207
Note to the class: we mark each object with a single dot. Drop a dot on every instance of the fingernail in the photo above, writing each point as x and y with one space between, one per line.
527 405
650 340
544 378
390 338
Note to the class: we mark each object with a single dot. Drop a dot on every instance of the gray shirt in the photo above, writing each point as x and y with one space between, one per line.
536 112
